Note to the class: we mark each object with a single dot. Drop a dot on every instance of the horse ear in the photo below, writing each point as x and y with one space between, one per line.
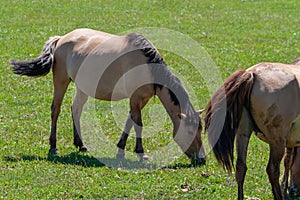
199 112
181 115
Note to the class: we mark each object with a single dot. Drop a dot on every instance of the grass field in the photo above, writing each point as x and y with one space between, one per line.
236 34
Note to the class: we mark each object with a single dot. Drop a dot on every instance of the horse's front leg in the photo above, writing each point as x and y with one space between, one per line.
137 103
138 127
77 106
55 110
242 140
122 142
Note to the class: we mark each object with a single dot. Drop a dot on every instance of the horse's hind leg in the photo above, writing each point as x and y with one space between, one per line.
242 140
294 188
287 166
273 168
60 87
78 102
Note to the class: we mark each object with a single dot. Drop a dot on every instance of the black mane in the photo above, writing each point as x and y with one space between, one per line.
163 77
147 48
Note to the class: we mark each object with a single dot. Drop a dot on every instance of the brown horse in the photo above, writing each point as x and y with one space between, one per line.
292 166
264 99
110 67
294 188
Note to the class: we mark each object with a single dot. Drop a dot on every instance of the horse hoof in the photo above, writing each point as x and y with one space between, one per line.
53 151
120 154
143 156
83 149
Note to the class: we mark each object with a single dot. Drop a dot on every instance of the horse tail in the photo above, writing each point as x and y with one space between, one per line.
223 115
39 66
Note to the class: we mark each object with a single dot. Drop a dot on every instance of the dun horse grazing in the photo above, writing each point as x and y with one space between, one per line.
264 99
110 67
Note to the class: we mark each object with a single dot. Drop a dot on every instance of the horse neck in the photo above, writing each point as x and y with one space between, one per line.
171 107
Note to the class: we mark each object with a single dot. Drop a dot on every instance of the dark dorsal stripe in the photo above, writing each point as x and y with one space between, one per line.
163 77
146 47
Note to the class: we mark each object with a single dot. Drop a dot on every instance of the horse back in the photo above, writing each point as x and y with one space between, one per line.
99 63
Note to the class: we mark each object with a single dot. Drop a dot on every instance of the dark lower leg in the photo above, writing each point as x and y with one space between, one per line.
122 142
273 170
241 169
77 138
54 115
128 125
139 150
287 166
136 105
121 146
138 127
52 141
78 141
77 106
242 142
139 146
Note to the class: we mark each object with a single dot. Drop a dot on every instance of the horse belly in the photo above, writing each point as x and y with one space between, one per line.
293 138
114 89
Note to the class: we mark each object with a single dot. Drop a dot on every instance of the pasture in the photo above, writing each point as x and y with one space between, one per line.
235 34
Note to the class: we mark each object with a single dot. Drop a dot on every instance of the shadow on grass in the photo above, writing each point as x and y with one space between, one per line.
181 166
71 159
76 158
85 160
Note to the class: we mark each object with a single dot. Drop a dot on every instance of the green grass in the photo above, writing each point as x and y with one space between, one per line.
236 34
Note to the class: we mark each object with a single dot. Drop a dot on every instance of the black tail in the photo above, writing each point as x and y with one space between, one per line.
39 66
224 113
